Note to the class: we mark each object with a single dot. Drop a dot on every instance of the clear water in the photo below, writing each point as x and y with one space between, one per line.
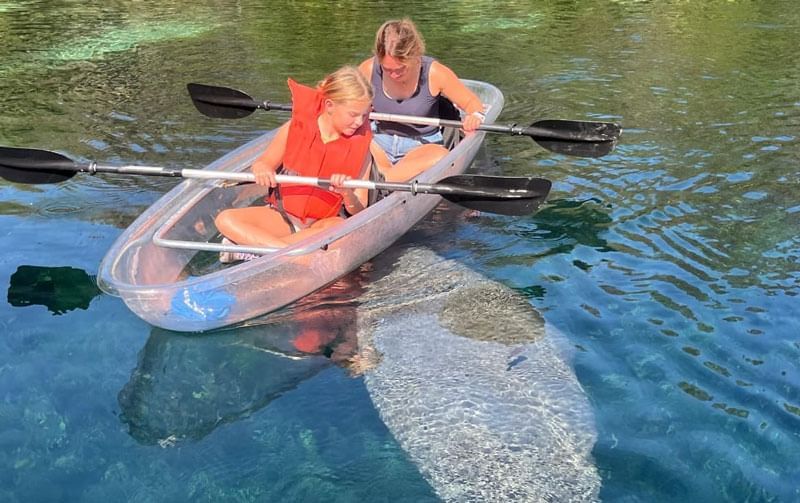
672 265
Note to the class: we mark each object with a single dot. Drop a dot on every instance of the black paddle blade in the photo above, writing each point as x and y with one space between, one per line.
34 166
559 129
221 102
575 138
514 196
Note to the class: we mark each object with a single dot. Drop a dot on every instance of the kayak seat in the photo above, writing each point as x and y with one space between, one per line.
375 175
448 111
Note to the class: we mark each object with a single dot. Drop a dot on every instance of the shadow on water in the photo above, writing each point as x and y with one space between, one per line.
558 228
184 386
574 222
59 289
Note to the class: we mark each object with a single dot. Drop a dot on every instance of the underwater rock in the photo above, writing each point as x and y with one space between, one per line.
474 385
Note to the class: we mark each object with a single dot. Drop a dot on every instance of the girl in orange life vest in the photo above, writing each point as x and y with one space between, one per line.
407 82
328 136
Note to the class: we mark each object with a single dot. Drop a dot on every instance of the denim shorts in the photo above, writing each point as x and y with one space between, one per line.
396 147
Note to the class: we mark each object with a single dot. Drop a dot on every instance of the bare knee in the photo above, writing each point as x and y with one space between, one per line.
318 226
415 162
224 221
327 222
429 153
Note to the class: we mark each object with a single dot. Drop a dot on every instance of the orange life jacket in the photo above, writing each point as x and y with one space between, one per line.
307 155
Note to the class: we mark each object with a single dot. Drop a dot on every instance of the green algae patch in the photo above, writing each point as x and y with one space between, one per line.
694 391
125 39
733 411
15 6
491 313
792 408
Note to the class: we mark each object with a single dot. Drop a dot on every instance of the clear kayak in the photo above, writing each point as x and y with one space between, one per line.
152 265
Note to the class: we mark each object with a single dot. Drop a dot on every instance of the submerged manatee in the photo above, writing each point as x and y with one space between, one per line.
475 387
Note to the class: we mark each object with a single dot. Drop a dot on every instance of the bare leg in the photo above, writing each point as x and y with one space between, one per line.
259 226
318 226
414 163
265 226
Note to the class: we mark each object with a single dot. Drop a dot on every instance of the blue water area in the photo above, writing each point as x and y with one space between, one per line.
98 406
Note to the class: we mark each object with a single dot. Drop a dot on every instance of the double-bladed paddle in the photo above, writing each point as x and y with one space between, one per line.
578 138
494 194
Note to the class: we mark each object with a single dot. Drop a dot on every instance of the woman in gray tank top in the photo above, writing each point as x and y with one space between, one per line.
407 82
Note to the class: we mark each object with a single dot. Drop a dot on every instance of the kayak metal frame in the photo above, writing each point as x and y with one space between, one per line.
160 240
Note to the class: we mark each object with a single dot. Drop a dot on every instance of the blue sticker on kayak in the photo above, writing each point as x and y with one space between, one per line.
192 304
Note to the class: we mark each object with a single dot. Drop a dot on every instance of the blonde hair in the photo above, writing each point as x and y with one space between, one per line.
399 38
346 84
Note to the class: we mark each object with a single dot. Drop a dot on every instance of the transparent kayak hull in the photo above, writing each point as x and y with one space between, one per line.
152 280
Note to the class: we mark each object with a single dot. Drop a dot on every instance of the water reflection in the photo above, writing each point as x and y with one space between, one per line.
574 222
183 387
60 289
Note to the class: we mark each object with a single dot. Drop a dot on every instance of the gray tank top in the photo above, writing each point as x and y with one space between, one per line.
420 104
